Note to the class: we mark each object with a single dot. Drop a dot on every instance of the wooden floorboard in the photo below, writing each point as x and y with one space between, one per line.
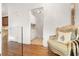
15 49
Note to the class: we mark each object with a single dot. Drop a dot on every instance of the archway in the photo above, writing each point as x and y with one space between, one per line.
37 25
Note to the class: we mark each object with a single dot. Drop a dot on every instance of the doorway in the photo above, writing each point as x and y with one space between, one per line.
4 35
37 17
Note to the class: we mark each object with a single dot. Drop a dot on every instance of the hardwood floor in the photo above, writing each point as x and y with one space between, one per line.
37 41
15 49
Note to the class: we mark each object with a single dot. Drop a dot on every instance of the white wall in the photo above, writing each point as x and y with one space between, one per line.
77 14
4 10
56 15
19 16
0 29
